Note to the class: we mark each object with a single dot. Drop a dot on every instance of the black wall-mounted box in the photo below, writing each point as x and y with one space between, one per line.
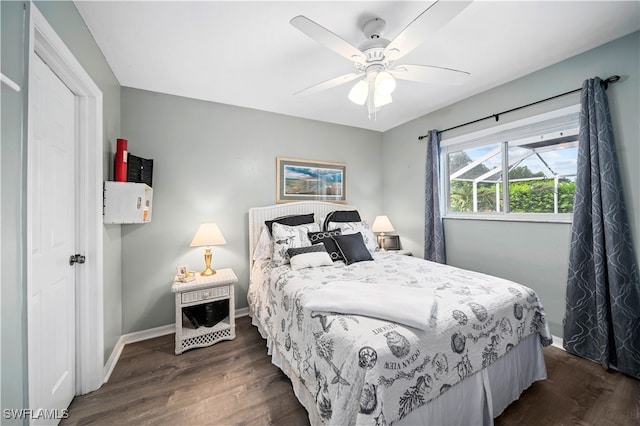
139 170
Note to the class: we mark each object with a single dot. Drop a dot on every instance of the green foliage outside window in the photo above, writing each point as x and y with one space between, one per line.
533 196
537 196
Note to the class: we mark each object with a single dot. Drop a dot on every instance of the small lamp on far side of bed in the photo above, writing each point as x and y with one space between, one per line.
207 235
381 225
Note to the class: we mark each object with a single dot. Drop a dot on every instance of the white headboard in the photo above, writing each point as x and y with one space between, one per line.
257 216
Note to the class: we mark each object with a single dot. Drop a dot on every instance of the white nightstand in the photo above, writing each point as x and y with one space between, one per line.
204 290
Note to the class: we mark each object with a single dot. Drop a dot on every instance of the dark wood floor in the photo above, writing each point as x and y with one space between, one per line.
234 383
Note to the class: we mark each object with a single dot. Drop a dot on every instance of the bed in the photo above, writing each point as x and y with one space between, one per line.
470 350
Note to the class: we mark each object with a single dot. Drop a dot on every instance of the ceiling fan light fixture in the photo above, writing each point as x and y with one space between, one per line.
359 92
385 83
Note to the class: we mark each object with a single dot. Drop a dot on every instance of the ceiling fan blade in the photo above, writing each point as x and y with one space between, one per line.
425 25
336 81
327 38
430 74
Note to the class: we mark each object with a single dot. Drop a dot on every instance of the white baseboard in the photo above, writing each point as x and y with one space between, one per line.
139 336
557 342
113 359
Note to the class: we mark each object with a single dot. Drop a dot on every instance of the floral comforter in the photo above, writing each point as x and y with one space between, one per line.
369 371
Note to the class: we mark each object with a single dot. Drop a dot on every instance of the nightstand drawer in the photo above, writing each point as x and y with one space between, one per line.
208 293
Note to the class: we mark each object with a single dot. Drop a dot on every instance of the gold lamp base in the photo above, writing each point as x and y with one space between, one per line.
207 264
208 272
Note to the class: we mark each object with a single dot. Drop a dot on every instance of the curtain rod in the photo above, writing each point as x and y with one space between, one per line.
605 83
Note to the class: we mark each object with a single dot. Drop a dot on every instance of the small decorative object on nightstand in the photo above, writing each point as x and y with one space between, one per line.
210 294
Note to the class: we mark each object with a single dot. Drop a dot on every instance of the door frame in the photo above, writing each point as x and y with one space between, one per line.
44 42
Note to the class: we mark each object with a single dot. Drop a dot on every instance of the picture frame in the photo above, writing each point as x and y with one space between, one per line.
389 242
182 270
183 274
307 180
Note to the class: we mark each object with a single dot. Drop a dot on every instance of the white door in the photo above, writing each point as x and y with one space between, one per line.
51 214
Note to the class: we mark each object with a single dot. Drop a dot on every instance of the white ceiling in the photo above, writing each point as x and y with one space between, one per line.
247 54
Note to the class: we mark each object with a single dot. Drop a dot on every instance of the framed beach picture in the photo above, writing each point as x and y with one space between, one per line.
300 180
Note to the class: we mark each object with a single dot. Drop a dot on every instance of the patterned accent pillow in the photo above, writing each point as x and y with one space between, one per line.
330 245
309 257
354 227
286 237
352 248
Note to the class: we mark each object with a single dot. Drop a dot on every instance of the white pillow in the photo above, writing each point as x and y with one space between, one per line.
353 228
309 257
264 247
286 237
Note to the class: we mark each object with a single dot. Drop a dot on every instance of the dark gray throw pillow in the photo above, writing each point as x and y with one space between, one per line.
341 216
325 237
292 220
352 248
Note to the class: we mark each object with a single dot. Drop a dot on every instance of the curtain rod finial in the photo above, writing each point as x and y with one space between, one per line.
610 80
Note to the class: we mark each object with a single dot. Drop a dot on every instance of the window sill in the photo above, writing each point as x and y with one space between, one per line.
513 217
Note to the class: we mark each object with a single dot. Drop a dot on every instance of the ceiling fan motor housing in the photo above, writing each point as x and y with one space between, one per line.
374 46
374 28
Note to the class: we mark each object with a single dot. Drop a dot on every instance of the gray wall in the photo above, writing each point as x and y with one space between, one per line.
212 162
535 254
66 21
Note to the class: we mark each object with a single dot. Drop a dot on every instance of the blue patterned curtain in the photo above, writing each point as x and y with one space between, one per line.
602 320
433 228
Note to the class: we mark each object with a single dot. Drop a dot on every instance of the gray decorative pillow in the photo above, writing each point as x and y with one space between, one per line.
309 257
286 237
354 227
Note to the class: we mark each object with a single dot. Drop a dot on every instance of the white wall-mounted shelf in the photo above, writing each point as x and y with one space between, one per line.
127 202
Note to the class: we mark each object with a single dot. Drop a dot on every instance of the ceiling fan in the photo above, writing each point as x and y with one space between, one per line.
375 60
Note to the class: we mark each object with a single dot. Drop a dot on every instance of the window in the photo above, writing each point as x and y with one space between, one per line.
522 170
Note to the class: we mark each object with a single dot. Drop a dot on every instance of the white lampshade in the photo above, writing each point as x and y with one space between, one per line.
382 224
208 234
385 83
359 92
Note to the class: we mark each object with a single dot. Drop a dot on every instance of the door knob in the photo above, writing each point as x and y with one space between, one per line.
76 258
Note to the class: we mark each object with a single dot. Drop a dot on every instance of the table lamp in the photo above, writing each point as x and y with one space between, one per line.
207 235
382 224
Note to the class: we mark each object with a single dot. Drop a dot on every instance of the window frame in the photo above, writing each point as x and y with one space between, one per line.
563 121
